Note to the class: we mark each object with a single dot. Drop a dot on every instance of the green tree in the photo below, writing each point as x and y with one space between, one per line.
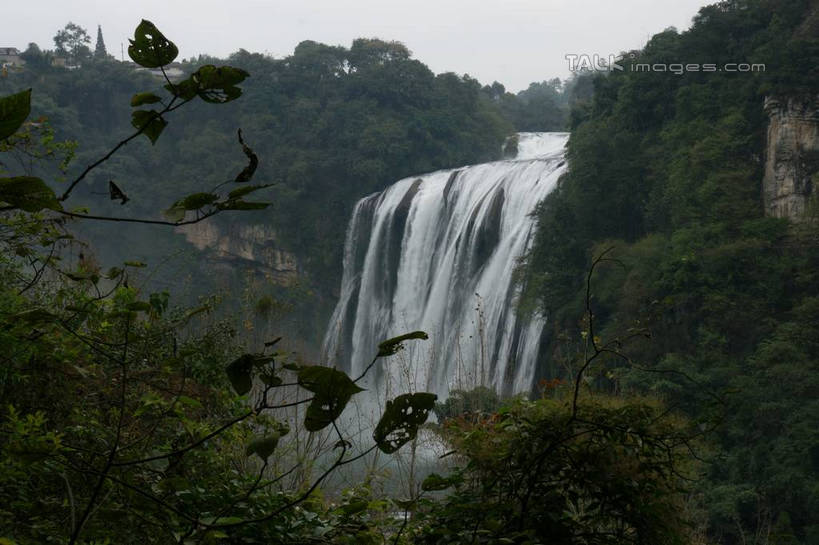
144 441
669 170
611 474
577 466
330 135
72 43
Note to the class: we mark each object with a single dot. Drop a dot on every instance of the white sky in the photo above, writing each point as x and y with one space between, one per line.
511 41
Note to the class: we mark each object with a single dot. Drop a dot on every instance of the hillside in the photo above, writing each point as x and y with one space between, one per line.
712 282
330 125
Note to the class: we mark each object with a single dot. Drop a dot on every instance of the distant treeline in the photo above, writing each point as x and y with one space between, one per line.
330 125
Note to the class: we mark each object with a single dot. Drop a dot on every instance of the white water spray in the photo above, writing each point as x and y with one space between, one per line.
438 253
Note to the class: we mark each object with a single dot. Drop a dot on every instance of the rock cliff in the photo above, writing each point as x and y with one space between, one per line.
792 156
253 245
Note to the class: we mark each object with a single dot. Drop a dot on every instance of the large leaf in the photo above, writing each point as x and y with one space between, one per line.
242 191
211 83
150 122
218 84
354 507
150 48
197 201
401 419
185 89
263 447
392 346
28 193
144 98
175 213
332 389
253 162
435 482
14 110
239 373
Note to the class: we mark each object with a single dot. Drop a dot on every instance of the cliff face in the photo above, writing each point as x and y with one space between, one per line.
254 245
792 156
246 260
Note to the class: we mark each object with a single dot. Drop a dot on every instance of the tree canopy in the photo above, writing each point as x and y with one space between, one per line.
668 169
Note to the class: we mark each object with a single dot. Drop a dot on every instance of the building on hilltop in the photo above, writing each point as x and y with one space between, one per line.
10 56
174 71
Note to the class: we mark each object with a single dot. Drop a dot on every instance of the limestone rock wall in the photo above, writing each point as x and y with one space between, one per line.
253 244
791 156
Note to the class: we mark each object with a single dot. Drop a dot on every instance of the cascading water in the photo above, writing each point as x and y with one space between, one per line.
437 253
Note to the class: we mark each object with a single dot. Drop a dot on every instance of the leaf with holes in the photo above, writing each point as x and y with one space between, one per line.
218 84
150 48
392 346
401 419
332 389
14 110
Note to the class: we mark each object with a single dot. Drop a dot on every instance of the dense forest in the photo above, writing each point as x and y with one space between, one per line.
330 124
679 386
668 172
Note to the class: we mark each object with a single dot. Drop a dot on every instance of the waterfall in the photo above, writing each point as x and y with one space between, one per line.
438 253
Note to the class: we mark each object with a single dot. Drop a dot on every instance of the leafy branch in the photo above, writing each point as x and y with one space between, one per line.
151 49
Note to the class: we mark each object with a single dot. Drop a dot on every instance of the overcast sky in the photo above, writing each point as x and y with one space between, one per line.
511 41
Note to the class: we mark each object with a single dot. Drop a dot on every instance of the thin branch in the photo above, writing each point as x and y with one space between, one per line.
137 220
303 496
590 315
367 369
75 534
169 108
253 488
211 435
359 456
71 503
192 446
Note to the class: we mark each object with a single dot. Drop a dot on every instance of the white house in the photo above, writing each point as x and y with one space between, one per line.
10 56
